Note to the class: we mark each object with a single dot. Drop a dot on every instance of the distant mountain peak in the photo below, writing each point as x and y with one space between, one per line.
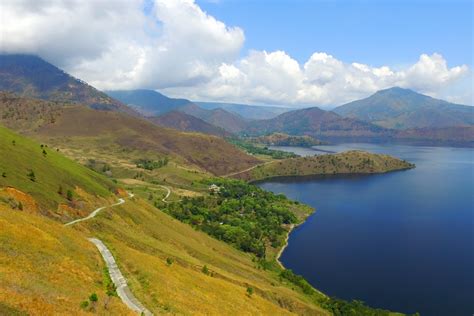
396 91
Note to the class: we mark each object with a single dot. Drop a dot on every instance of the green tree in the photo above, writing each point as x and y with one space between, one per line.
205 270
69 195
249 291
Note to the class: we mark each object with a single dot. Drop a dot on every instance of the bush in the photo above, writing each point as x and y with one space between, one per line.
205 270
249 291
93 297
31 175
69 195
84 304
169 261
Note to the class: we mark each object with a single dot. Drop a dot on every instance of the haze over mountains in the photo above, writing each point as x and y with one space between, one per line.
393 113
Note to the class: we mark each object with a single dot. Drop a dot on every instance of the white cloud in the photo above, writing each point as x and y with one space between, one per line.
179 49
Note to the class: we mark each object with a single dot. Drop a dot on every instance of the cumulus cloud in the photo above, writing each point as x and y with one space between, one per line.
323 80
176 47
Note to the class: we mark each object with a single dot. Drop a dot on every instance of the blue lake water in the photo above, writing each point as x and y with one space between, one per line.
402 241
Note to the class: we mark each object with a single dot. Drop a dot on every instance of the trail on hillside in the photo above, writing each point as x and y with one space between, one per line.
168 192
245 170
116 275
95 212
119 280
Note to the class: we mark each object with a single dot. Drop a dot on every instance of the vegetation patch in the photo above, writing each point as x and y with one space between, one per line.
240 214
261 150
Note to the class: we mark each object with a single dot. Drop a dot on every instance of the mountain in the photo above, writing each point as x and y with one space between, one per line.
403 108
231 122
83 127
187 123
31 76
315 122
251 112
148 102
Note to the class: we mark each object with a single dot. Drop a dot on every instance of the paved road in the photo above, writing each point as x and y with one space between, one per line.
95 212
119 280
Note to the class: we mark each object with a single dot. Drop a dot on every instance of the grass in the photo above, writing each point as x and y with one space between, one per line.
46 268
351 162
20 158
142 238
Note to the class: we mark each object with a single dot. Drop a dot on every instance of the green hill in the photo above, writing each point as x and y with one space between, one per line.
350 162
45 174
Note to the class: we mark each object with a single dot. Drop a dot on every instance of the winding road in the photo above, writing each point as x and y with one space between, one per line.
117 277
168 192
95 212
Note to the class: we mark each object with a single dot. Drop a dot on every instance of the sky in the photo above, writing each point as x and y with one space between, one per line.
283 52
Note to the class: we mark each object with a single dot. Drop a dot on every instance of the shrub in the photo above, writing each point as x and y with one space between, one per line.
93 297
249 291
84 304
31 175
69 195
205 270
169 261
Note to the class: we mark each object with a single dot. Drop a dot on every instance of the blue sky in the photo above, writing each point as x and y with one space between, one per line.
283 52
372 32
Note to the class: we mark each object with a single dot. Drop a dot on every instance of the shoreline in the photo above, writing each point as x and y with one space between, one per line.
280 252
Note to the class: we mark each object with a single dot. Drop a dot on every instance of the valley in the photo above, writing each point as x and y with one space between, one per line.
168 197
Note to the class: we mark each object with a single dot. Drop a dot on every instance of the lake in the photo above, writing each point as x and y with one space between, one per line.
401 241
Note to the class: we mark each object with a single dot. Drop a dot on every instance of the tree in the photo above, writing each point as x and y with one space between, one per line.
31 175
169 261
69 195
249 291
205 270
93 298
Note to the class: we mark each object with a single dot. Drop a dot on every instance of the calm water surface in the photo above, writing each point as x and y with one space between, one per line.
401 241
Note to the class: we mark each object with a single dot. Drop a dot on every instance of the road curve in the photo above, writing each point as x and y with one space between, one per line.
168 192
119 280
95 212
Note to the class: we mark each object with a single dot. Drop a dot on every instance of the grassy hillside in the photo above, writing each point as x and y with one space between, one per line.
188 123
47 176
48 269
350 162
79 126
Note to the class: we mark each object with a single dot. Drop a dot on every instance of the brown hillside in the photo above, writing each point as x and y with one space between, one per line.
107 127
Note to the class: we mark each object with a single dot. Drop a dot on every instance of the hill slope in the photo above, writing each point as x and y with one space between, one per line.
350 162
187 123
45 177
315 122
403 108
250 112
32 76
87 127
148 102
231 122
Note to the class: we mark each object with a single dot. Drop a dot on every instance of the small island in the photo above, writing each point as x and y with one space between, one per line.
350 162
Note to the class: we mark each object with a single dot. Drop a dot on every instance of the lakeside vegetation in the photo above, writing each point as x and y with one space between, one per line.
350 162
255 149
240 214
282 139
